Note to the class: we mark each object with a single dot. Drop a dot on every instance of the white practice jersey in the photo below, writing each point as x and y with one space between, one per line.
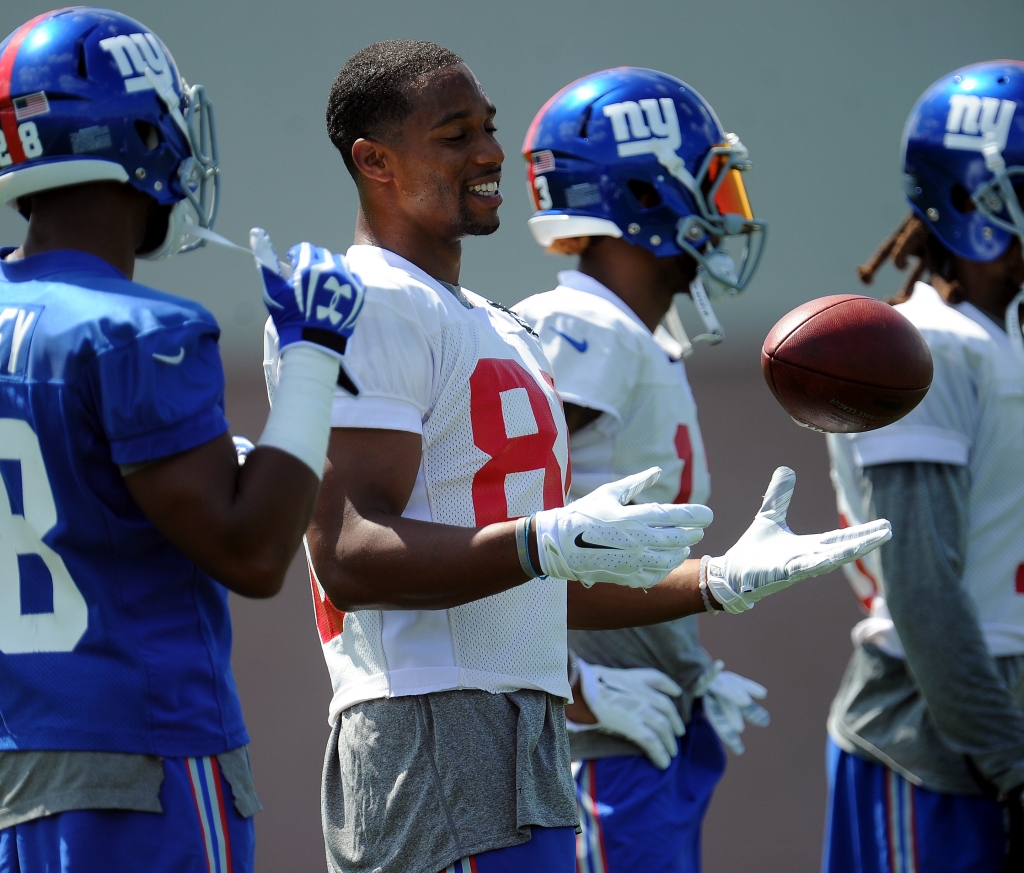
472 381
973 416
605 358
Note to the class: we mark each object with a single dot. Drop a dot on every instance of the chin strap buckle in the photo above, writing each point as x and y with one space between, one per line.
715 333
674 325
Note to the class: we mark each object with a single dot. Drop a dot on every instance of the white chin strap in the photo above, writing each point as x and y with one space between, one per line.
674 324
1014 329
996 165
715 334
193 229
180 227
175 236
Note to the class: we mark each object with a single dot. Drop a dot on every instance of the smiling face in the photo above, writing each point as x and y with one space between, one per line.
447 163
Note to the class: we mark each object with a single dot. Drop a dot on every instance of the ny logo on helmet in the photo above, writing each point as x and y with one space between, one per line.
971 119
135 54
645 127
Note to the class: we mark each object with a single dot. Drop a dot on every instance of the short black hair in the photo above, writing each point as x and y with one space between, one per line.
369 96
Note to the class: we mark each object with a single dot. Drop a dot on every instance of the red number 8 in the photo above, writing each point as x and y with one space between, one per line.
517 454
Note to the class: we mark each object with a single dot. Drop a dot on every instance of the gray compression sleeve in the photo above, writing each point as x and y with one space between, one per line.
936 619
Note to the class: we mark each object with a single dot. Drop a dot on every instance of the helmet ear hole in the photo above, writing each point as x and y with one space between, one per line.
149 134
962 201
645 193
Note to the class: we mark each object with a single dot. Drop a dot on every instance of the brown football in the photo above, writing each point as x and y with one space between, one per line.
846 364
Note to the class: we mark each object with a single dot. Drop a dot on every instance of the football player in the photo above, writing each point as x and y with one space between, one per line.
631 170
125 517
440 546
926 733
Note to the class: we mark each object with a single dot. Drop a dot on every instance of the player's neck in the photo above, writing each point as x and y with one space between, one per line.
105 219
625 277
991 285
439 258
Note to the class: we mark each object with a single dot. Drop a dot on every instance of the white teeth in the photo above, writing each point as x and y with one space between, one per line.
485 188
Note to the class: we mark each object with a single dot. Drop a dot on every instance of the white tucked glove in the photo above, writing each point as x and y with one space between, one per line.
770 557
242 448
729 703
635 704
598 538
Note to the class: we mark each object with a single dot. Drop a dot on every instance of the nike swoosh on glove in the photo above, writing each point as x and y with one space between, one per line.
598 538
729 704
770 557
313 297
636 704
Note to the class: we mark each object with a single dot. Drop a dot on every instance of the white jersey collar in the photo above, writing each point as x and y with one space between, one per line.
582 282
925 293
399 263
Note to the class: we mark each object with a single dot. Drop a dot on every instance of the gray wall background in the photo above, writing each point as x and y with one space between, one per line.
817 91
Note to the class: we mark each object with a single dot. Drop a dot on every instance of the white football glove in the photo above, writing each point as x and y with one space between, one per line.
598 538
729 704
635 704
770 557
242 448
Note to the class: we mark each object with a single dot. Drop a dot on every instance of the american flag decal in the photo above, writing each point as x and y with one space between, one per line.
543 161
31 105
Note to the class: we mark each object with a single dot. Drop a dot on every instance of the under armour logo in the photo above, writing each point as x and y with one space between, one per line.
329 310
971 119
134 55
645 127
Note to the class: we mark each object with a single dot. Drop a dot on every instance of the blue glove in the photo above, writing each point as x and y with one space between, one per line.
313 297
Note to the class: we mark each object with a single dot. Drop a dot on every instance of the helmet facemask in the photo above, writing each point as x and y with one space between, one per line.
997 198
198 175
723 236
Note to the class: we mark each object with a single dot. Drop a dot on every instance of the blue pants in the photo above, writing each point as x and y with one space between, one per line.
550 850
877 822
636 817
199 831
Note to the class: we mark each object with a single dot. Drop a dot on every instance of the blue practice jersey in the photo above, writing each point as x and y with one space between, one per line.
110 638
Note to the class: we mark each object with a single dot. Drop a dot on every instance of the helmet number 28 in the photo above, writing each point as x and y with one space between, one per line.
27 514
28 133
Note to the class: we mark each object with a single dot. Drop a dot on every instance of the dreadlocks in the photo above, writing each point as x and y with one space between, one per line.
912 239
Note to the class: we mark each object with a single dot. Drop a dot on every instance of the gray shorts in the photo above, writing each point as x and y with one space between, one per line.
412 784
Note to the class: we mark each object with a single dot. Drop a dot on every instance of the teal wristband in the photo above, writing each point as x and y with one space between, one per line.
523 545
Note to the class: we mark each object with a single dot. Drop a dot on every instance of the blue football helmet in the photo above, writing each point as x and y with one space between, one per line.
638 154
963 153
90 95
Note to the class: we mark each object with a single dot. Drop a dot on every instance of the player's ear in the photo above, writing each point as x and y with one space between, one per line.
373 159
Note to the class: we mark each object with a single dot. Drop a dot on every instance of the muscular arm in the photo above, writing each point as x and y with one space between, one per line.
242 525
368 557
607 607
936 618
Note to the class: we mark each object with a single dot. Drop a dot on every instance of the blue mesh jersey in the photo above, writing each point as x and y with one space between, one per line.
110 638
